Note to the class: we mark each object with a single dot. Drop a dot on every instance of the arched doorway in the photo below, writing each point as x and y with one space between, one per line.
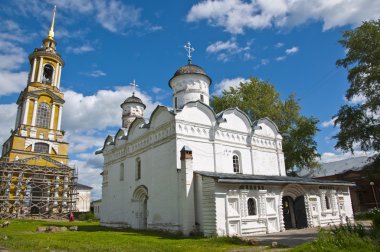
140 202
293 207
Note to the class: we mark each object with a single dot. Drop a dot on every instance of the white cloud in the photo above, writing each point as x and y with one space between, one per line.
12 82
115 16
96 73
328 157
12 57
156 90
100 110
292 50
80 50
357 99
7 121
329 123
279 45
225 50
237 15
226 84
281 58
89 168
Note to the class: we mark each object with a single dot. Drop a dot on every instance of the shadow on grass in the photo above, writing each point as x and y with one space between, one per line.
82 227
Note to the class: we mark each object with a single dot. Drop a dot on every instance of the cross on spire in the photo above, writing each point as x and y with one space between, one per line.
134 86
189 50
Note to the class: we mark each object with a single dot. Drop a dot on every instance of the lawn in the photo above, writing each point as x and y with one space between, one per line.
21 235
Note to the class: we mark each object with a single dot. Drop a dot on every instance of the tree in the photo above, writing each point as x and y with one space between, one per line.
261 98
360 122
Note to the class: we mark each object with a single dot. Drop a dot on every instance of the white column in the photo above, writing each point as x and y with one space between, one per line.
59 117
52 116
18 116
33 69
59 76
26 110
39 77
56 74
34 117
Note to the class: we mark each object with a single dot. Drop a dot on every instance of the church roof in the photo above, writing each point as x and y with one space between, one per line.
190 69
265 179
133 99
83 187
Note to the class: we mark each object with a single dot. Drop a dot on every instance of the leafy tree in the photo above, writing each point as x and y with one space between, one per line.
360 123
261 98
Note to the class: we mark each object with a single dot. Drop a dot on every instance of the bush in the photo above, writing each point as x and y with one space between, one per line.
339 240
369 215
87 217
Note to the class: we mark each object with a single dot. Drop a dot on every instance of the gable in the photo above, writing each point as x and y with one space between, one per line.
49 93
160 116
197 113
235 120
267 128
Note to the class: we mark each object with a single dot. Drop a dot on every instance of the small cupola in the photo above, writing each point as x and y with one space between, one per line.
190 83
133 108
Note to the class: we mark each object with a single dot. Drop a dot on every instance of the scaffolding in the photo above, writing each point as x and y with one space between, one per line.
37 191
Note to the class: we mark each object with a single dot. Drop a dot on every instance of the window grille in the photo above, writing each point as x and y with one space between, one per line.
43 115
41 148
251 206
236 164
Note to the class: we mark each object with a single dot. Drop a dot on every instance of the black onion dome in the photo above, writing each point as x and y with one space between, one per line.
133 99
190 69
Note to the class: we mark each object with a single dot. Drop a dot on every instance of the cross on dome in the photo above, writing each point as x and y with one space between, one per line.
189 50
134 85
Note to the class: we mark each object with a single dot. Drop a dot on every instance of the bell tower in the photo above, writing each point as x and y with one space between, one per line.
39 113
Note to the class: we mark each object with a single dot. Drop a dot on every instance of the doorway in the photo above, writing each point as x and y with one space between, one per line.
294 212
140 198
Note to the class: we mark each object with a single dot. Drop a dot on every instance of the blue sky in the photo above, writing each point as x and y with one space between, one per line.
108 44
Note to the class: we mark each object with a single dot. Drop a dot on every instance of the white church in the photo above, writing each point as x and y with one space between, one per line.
191 170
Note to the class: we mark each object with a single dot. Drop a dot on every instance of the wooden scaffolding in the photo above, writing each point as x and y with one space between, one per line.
30 190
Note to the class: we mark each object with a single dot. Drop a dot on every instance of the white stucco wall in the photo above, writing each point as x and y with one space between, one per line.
83 200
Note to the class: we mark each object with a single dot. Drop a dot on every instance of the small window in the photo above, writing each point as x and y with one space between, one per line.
41 148
236 163
43 115
138 168
202 98
251 206
175 102
47 76
328 203
122 172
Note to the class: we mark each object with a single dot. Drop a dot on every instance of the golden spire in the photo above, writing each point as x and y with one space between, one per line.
51 32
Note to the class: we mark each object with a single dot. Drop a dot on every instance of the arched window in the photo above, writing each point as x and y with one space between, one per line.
236 163
251 206
175 102
41 148
138 168
202 98
43 115
47 76
122 172
328 203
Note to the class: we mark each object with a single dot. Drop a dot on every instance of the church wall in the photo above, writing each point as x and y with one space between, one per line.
265 162
224 154
203 157
158 175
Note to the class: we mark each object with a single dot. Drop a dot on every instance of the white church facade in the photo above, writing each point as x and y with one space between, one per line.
189 169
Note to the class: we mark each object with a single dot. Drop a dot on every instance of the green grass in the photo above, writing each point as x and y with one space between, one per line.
22 236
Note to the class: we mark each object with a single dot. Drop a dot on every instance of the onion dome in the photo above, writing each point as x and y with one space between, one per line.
190 69
133 99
